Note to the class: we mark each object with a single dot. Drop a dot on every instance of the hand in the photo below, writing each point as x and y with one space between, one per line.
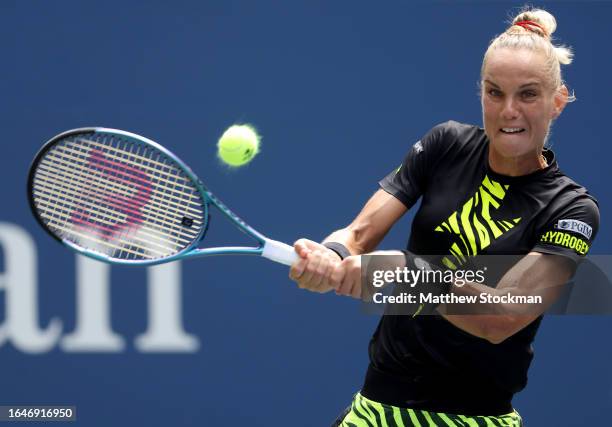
346 277
314 268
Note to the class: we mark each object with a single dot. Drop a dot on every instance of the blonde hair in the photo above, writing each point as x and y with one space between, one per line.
532 29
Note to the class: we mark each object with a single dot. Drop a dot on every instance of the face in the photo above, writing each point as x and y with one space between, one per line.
518 103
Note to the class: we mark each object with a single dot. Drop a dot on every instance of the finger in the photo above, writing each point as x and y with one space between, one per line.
318 269
301 248
346 285
337 275
356 289
297 269
322 273
311 244
309 273
353 276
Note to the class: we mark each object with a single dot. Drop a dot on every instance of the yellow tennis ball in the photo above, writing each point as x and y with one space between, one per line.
238 145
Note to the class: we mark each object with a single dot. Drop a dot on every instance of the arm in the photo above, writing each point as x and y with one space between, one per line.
363 234
535 274
371 225
402 188
544 272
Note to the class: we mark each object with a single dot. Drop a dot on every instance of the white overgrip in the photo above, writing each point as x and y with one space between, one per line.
279 252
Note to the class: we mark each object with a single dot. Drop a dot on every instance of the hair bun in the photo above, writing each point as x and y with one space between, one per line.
538 21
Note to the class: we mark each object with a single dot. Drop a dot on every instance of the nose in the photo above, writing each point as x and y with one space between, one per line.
510 109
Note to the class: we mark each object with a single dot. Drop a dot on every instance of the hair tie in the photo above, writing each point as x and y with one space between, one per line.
527 24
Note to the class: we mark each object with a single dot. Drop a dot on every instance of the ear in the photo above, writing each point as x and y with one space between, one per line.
560 101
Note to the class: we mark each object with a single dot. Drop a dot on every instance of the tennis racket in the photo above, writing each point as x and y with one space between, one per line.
121 198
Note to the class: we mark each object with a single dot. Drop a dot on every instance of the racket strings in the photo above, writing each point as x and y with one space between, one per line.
77 181
152 236
147 236
145 163
118 198
53 164
110 230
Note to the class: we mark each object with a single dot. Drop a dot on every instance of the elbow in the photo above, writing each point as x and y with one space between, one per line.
499 328
496 338
493 328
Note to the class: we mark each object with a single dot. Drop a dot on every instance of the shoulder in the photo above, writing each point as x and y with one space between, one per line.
571 218
455 134
455 130
453 142
572 194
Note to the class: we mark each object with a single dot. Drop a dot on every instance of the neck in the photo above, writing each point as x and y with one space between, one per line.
516 166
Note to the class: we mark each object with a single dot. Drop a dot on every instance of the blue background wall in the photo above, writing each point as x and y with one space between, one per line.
340 90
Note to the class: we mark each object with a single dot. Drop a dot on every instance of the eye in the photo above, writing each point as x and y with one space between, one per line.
529 94
494 92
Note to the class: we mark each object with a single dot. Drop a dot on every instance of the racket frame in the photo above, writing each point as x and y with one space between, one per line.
268 248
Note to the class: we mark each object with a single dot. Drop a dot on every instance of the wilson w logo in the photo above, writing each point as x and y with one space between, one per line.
472 227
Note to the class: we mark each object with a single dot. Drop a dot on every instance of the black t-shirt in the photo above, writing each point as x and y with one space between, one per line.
425 362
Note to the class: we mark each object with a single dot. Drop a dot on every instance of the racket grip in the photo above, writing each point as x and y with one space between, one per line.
279 252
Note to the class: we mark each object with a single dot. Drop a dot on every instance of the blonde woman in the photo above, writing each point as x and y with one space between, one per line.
491 190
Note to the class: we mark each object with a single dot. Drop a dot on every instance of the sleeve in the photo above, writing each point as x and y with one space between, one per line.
408 182
570 232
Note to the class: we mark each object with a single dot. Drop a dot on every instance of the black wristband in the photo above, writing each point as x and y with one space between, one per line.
338 248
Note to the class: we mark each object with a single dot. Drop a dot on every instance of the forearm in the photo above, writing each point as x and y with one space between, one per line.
358 238
484 318
483 296
368 229
497 313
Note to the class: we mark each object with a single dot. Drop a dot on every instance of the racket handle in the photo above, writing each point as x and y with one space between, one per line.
279 252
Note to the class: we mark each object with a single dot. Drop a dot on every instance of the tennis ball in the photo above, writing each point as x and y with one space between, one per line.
238 145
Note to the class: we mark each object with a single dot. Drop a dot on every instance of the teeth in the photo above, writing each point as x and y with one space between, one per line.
512 130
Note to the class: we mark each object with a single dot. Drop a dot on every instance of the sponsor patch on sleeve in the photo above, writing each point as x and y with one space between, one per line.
559 238
575 226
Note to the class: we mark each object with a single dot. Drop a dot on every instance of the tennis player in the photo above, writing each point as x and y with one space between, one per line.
496 190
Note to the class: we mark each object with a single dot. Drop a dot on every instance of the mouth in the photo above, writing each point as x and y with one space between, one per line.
512 131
